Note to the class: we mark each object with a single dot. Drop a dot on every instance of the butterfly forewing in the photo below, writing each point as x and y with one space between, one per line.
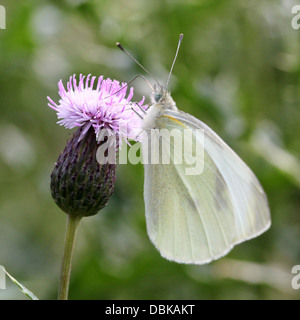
196 218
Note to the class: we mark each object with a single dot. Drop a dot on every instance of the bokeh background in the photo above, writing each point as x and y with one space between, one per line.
238 70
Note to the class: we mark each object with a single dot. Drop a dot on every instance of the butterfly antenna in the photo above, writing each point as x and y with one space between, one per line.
128 84
134 59
179 43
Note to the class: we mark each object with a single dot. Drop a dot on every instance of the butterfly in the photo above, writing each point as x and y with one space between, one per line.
196 218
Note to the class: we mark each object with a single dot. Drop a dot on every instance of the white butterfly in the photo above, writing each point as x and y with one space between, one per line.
198 218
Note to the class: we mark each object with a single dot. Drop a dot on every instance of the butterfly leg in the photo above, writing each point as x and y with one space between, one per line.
137 113
144 111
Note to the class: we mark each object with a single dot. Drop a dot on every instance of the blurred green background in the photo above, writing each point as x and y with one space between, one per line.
238 70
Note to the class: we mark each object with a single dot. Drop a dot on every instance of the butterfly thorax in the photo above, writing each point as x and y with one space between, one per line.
161 100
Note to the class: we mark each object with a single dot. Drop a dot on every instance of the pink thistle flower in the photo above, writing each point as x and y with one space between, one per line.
103 107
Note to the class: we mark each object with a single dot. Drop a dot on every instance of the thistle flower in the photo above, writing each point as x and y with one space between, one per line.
105 107
81 186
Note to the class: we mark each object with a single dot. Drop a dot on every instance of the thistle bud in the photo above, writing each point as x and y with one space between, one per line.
80 186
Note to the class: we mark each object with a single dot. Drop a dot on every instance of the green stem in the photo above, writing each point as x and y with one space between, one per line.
72 226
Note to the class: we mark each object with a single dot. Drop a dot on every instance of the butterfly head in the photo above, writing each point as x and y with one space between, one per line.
162 97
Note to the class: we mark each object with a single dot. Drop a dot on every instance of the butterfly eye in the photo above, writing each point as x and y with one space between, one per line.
157 97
